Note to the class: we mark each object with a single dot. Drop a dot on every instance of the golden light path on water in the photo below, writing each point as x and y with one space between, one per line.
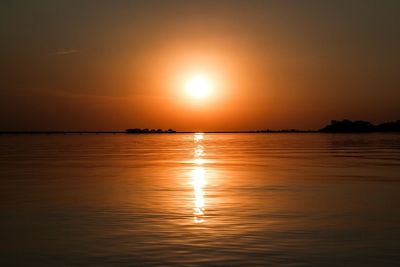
198 179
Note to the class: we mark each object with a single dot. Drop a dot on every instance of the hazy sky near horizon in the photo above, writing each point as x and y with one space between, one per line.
110 65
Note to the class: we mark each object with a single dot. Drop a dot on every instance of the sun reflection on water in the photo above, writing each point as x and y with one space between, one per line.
198 179
198 151
198 137
198 184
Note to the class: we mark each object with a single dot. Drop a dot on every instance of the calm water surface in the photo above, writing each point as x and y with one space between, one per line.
200 200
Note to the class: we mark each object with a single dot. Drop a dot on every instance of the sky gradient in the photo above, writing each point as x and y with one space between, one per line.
112 65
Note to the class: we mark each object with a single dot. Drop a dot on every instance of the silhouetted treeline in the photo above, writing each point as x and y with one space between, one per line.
281 131
344 126
145 131
348 126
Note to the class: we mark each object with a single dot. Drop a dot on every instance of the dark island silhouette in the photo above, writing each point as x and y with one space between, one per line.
336 126
147 131
345 126
348 126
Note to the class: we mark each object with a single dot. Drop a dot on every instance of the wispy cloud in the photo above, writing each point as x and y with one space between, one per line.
65 51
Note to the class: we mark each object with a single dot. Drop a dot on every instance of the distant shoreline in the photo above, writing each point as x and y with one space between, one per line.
344 126
214 132
123 132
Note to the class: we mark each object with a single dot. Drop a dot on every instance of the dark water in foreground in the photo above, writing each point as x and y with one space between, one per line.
191 200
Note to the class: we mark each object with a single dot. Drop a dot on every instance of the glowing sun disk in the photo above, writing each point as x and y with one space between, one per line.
199 86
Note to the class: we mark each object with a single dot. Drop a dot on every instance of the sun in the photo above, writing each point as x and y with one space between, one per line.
199 86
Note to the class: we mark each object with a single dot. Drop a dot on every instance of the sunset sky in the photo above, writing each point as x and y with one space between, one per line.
112 65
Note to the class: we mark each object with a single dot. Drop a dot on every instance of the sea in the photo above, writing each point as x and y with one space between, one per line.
266 199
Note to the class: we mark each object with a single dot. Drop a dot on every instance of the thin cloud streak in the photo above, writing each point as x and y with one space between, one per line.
66 52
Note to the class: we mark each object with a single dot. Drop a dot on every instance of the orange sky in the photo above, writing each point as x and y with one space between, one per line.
115 65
